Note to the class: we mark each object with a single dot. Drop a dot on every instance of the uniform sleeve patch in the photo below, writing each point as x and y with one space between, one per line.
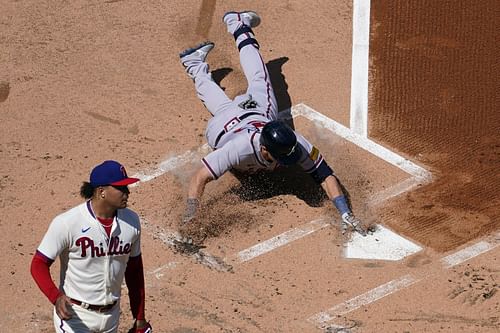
314 153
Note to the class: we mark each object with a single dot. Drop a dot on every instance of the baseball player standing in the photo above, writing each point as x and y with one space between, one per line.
98 244
245 133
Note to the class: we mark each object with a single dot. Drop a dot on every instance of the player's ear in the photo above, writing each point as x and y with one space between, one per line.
100 192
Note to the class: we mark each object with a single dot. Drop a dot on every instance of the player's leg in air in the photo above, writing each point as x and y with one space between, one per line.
208 91
259 91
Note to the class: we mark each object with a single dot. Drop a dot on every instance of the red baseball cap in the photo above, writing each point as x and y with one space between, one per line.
110 173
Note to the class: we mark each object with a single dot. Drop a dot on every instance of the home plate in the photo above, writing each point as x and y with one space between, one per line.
383 244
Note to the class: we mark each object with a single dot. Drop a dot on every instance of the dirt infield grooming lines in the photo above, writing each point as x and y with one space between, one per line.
323 320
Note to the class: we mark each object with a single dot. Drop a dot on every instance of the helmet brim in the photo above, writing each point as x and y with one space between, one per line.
291 159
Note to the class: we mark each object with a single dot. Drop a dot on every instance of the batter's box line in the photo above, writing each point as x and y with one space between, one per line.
418 174
172 239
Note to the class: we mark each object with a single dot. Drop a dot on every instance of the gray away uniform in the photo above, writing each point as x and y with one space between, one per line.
234 130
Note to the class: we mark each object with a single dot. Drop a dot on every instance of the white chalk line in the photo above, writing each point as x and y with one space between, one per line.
282 239
363 142
322 319
171 164
468 253
159 272
172 239
359 67
420 174
395 190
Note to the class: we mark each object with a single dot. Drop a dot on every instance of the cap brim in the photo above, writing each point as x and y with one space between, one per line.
125 182
291 159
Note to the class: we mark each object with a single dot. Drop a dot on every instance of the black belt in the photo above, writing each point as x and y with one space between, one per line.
240 118
96 308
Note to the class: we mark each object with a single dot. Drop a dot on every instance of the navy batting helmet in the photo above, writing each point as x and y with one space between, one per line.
281 142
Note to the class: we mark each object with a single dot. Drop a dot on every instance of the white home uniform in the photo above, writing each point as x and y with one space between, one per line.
234 130
92 265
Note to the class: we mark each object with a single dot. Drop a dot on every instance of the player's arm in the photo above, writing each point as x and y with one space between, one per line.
196 188
40 271
55 240
320 171
331 187
323 174
198 182
134 279
214 166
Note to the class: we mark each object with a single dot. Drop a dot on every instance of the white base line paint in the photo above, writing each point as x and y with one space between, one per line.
421 175
171 164
170 238
467 253
396 189
359 76
325 319
282 239
321 319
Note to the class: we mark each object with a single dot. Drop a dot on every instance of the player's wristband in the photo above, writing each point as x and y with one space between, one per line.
340 203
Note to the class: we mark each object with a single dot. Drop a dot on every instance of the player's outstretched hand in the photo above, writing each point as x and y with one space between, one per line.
191 208
191 234
141 326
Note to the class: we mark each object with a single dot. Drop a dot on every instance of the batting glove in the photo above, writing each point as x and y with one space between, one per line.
191 208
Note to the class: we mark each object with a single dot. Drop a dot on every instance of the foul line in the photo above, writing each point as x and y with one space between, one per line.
359 68
321 319
324 319
468 253
420 175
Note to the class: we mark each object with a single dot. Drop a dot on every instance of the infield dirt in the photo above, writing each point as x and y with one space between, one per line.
85 81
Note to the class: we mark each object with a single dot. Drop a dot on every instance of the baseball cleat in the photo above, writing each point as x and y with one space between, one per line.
250 18
197 53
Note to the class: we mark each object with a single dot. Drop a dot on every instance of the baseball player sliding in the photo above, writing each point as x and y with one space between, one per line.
98 244
245 133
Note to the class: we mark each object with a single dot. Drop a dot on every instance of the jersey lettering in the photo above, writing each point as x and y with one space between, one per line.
116 247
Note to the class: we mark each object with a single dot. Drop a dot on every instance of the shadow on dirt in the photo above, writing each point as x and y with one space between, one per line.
291 180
